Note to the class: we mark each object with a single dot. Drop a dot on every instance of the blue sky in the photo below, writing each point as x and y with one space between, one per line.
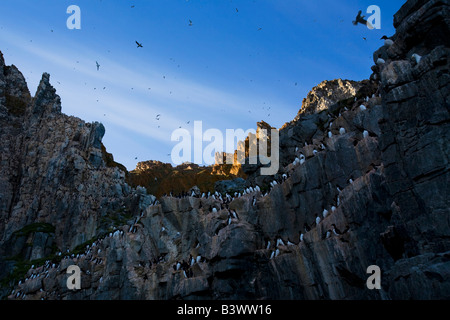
230 69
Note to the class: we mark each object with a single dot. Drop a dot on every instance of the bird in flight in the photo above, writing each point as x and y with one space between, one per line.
139 45
98 66
157 116
360 19
190 23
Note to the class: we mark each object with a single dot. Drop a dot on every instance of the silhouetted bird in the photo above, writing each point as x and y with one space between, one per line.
360 19
98 66
190 23
139 45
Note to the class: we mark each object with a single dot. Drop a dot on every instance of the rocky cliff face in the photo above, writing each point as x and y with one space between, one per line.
162 179
370 158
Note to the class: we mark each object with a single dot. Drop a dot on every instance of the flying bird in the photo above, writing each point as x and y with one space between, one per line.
157 116
190 23
98 66
139 45
360 19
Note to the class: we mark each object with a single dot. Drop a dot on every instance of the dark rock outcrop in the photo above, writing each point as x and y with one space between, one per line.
377 176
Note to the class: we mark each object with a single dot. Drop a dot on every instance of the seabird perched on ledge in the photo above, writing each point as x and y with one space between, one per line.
387 42
336 231
365 133
317 219
380 61
416 57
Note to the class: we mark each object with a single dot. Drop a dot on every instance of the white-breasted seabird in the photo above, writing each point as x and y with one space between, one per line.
330 134
325 213
342 131
380 61
302 159
198 259
365 133
315 151
333 209
272 255
387 42
277 252
178 266
301 237
328 234
416 57
268 245
336 231
317 220
280 242
362 107
214 210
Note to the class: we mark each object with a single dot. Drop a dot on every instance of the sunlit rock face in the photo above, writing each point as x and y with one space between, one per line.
369 158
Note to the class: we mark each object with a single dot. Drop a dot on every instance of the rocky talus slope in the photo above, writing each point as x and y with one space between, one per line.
370 158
